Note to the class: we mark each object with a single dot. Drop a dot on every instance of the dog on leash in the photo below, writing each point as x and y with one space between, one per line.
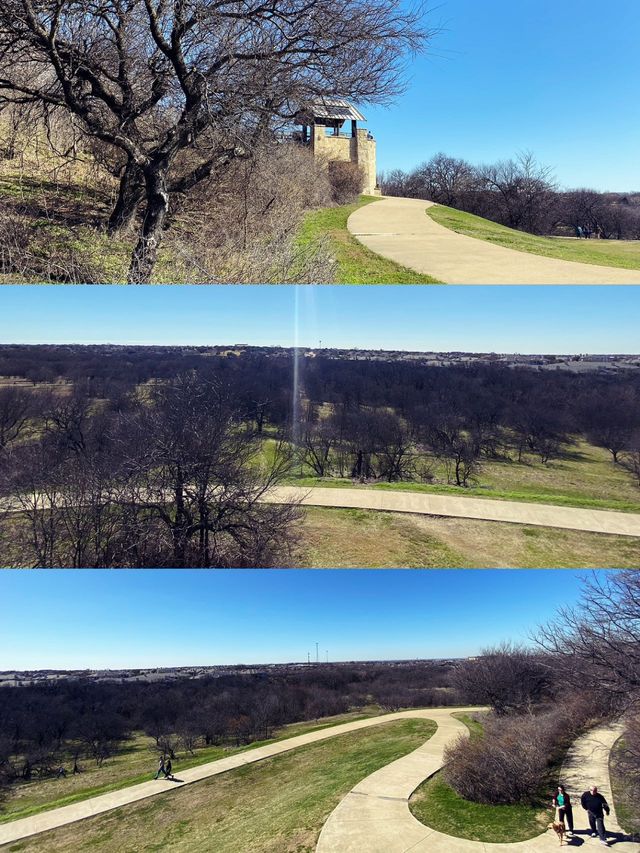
559 829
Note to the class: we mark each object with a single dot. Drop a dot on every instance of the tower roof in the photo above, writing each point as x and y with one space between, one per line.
333 107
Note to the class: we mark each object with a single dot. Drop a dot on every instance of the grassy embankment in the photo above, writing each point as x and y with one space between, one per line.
274 806
356 263
584 477
437 805
353 538
609 253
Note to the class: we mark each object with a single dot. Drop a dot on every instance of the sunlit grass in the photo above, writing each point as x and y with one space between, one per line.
610 253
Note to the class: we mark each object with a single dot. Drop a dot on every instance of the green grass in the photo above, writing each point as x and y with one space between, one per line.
354 538
610 253
627 811
438 806
278 805
135 763
356 263
476 729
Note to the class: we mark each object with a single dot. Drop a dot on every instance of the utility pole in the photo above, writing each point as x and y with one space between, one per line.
308 657
317 659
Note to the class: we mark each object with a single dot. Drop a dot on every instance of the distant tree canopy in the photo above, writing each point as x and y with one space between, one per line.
172 91
520 193
68 722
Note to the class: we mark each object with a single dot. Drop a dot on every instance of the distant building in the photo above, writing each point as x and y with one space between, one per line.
322 128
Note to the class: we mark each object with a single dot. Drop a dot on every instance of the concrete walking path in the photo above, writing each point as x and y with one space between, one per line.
374 817
485 509
400 230
25 827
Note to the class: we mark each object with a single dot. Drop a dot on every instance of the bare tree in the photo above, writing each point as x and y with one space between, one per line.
523 190
597 642
181 88
15 409
191 467
509 678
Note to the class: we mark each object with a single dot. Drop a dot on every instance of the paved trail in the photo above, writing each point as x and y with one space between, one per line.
485 509
25 827
374 817
400 230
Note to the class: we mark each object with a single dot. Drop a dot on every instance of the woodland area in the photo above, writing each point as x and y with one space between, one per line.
126 458
519 193
71 722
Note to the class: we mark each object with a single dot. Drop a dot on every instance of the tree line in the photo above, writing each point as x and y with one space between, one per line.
69 723
520 193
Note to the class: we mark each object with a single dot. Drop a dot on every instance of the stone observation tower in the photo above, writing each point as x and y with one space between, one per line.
322 128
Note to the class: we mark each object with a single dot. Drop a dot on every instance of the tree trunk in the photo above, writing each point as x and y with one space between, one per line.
130 194
145 253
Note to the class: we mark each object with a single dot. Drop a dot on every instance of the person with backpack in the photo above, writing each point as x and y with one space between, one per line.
595 806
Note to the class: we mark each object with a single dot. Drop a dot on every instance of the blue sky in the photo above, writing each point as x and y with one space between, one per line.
559 79
474 319
99 619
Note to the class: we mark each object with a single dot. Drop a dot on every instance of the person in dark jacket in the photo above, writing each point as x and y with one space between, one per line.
562 804
168 774
595 805
161 768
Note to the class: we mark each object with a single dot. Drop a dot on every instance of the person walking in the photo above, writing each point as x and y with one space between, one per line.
564 810
167 769
161 768
595 805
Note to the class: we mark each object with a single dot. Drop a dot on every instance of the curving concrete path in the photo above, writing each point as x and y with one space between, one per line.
484 509
25 827
374 817
400 230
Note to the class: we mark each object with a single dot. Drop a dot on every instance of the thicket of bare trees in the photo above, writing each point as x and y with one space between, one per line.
510 679
176 479
147 457
170 94
585 669
515 759
597 642
519 193
71 722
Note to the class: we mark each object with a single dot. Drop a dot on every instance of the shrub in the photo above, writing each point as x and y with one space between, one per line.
347 181
514 760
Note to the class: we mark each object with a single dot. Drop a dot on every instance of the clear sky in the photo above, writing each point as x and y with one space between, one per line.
501 76
436 318
102 619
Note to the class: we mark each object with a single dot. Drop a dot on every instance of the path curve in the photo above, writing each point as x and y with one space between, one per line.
400 230
484 509
374 816
54 818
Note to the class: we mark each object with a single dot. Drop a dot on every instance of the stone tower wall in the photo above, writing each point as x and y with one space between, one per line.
359 149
